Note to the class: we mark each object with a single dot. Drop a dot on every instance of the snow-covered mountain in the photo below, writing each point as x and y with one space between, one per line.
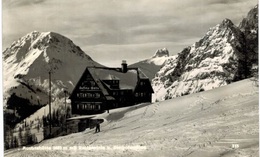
153 64
26 66
222 56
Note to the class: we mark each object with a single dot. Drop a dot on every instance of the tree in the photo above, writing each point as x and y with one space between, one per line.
28 136
20 136
52 120
7 146
38 126
15 142
12 142
68 113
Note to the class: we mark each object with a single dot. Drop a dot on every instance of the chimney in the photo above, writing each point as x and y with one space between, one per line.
124 66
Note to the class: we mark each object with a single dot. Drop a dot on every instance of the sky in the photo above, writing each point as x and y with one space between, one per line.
110 31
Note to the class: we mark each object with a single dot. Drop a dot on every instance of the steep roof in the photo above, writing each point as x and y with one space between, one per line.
111 77
127 80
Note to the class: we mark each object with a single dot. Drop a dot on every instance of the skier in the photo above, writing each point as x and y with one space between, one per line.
97 127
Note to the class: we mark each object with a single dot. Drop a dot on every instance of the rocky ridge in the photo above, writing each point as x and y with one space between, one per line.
222 56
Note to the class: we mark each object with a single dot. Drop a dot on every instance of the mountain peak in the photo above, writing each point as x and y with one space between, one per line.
46 42
250 23
161 53
35 35
226 23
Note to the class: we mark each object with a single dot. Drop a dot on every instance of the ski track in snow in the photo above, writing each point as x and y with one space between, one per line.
203 124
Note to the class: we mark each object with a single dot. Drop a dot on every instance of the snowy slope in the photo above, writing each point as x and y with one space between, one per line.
153 64
203 124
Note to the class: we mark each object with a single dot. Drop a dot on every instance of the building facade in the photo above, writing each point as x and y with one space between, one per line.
102 88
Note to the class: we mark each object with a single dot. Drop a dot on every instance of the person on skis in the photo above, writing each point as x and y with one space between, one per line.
97 127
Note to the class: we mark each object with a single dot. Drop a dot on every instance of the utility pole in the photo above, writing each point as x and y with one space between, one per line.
65 92
50 101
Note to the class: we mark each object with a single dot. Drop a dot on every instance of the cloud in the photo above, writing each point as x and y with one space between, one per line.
17 3
120 24
224 1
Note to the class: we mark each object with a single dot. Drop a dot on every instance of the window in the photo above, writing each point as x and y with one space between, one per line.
85 85
142 83
97 95
88 76
88 85
92 83
88 95
136 94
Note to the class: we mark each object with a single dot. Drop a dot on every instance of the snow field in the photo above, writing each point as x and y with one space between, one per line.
203 124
